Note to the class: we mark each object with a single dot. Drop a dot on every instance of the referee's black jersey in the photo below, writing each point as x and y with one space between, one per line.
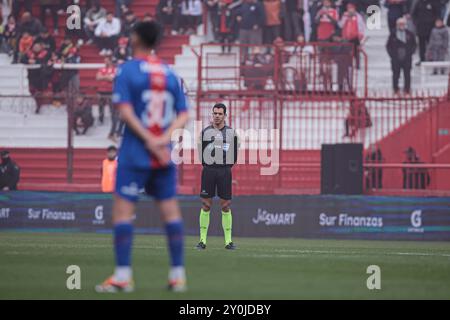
219 147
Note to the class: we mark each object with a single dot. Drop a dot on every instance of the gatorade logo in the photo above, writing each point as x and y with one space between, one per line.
416 222
98 213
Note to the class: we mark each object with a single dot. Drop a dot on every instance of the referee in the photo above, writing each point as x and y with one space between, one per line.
219 145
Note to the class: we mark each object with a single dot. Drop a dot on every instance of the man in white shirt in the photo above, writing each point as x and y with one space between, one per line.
107 33
92 18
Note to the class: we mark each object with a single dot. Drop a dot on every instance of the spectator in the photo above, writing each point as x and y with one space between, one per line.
18 4
123 12
107 33
37 54
5 8
68 52
358 118
273 20
396 10
29 24
234 7
83 118
109 168
225 20
167 14
292 19
296 77
327 21
39 79
10 36
258 68
443 8
25 44
9 172
123 52
191 15
47 41
414 178
342 55
2 42
400 47
374 176
437 49
120 4
353 28
105 77
50 7
424 14
93 16
129 22
148 17
212 7
251 18
313 8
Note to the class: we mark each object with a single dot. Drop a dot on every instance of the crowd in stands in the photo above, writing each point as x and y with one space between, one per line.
248 22
28 40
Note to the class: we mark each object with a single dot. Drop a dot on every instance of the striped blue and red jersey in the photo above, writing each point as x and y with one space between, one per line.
156 94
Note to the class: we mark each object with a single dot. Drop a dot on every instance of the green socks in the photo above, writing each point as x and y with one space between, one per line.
204 224
227 222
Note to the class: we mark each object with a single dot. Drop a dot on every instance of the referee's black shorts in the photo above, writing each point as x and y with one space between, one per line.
216 178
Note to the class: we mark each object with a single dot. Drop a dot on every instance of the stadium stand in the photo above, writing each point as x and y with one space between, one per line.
39 142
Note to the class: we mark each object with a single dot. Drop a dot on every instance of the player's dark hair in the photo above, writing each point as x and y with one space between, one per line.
220 106
112 148
149 32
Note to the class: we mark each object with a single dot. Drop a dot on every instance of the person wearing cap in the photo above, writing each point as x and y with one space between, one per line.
123 52
401 47
9 172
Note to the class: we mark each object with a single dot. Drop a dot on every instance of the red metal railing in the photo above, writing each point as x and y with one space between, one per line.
387 128
305 118
288 68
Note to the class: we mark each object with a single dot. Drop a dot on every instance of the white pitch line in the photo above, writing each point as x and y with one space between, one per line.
361 253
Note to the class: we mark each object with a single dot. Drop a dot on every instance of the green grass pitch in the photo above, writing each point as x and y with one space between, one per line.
33 266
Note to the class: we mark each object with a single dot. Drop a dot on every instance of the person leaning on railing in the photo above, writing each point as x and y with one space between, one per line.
68 52
39 78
